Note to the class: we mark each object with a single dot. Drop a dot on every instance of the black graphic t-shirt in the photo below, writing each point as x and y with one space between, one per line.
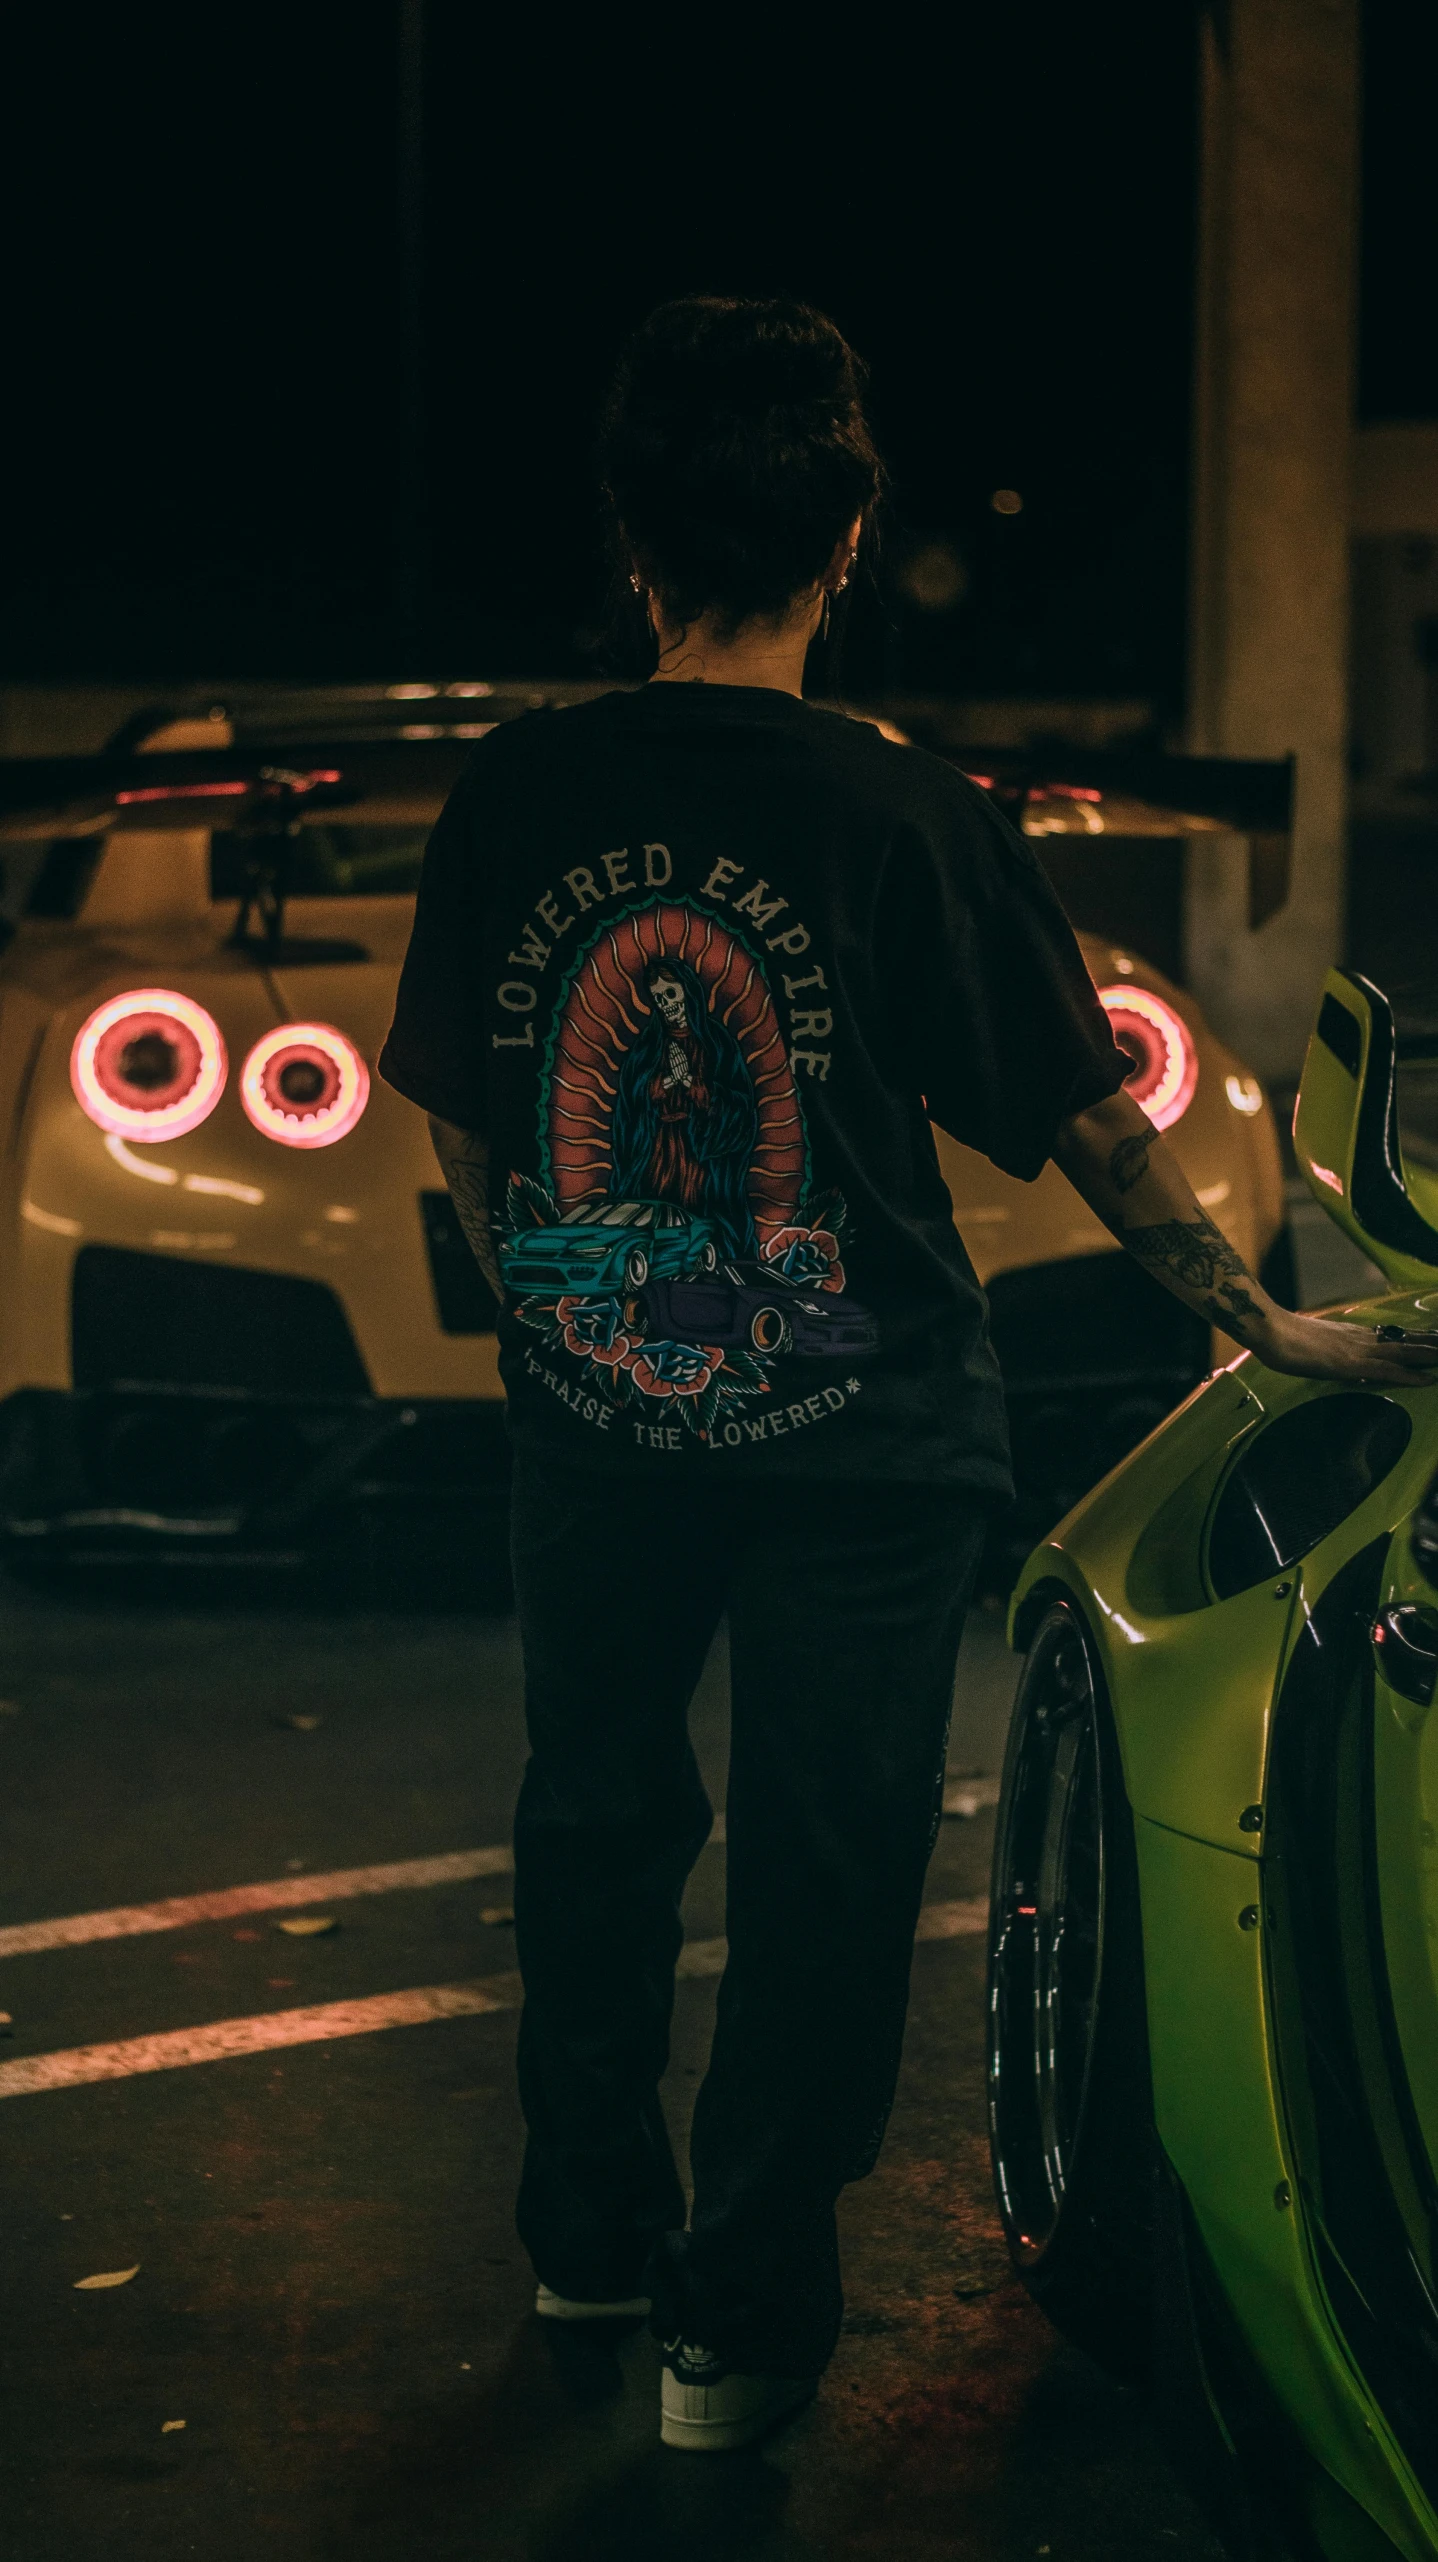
703 962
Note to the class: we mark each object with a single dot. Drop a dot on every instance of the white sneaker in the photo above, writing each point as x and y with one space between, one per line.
573 2308
711 2419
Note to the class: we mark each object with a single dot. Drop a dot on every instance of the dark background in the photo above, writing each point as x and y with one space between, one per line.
223 461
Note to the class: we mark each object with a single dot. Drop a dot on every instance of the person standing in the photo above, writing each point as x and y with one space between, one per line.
693 969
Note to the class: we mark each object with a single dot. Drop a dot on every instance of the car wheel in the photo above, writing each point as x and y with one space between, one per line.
770 1330
636 1267
707 1257
1070 2089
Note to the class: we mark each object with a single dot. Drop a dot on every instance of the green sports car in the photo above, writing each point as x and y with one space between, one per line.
1213 1983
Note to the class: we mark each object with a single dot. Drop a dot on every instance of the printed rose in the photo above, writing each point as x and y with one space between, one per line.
807 1255
673 1369
595 1328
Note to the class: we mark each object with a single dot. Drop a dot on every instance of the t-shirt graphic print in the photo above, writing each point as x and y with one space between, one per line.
673 1245
702 964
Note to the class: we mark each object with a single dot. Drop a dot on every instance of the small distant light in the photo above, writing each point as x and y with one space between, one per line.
1124 967
985 781
339 1216
1244 1093
469 729
423 729
468 693
1007 502
411 693
933 576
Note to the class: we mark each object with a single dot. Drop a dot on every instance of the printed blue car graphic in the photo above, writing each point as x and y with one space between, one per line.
751 1308
608 1245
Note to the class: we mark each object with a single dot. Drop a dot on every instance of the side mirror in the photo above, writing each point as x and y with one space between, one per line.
1345 1132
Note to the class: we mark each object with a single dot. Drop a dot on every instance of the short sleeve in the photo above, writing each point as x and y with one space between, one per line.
435 1053
1005 1030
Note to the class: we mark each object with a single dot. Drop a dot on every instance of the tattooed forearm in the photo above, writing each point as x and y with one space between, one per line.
1129 1163
1193 1250
1197 1256
464 1162
1118 1162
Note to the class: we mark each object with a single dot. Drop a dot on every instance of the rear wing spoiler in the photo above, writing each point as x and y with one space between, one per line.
1048 791
1345 1133
235 787
1131 792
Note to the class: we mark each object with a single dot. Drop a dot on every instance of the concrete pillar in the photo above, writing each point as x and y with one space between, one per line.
1273 428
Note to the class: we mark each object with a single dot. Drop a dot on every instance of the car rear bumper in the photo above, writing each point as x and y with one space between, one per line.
120 1473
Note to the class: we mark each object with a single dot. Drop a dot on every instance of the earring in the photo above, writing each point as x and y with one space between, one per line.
636 582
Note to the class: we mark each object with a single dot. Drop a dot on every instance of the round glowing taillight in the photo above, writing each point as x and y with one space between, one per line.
150 1065
1162 1047
304 1084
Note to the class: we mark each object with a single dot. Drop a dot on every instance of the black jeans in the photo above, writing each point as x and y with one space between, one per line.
845 1606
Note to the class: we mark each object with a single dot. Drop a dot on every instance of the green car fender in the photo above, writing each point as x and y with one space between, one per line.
1191 1678
1286 1841
1192 1687
1218 2111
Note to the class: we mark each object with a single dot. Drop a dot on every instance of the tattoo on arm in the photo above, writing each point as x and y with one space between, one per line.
1129 1162
466 1171
1197 1258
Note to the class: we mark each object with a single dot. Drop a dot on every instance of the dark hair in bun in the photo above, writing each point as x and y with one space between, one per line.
734 453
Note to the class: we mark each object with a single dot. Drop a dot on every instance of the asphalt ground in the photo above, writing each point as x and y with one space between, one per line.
328 2348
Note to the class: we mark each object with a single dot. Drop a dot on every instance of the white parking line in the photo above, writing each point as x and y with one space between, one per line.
222 2039
277 1894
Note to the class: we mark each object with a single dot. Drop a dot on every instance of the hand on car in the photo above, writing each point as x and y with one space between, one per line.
1336 1348
1116 1161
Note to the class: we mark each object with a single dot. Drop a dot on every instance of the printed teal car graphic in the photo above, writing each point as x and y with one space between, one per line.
1213 2001
609 1245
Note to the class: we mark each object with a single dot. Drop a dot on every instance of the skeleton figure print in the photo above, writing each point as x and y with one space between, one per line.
672 1245
685 1118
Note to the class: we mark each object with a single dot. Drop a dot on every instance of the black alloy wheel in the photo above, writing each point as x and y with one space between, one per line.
636 1267
1070 2095
707 1257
